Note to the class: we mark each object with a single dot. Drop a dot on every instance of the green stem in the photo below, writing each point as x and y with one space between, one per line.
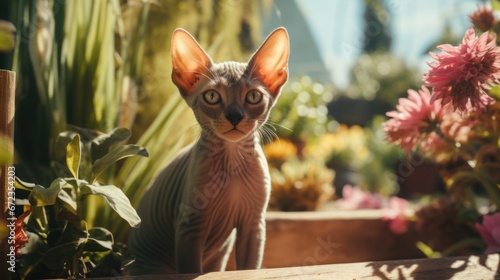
470 195
465 243
76 261
468 158
79 205
489 186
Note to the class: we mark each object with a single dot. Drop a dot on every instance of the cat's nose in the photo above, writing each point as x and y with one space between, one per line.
234 116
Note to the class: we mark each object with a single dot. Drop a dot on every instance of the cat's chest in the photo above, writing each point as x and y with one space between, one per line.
233 178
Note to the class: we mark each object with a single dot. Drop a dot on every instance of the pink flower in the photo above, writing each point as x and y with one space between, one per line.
355 198
456 130
461 74
396 215
415 118
483 18
490 231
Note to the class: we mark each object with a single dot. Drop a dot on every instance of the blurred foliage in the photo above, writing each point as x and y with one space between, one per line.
74 65
363 150
300 185
297 183
301 112
381 76
378 74
344 146
376 27
378 170
446 228
7 36
279 151
6 156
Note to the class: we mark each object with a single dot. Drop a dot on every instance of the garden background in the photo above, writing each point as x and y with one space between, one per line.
93 79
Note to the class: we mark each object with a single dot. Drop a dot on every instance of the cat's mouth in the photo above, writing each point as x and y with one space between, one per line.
233 130
234 134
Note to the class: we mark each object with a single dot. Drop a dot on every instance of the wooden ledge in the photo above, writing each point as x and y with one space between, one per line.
465 267
327 215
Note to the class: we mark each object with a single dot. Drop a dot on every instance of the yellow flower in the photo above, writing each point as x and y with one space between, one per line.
345 144
301 185
279 150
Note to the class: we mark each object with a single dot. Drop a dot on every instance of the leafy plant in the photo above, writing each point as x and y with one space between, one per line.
381 76
362 150
300 185
62 242
378 170
344 146
301 112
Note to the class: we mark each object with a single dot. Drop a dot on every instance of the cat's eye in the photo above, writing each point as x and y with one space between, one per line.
212 97
253 97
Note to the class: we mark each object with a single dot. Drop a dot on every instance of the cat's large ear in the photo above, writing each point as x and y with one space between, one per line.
270 61
189 60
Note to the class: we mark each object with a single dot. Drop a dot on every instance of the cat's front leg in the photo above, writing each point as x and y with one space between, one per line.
250 243
188 251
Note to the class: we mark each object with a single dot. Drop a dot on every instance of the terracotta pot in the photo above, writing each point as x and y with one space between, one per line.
337 236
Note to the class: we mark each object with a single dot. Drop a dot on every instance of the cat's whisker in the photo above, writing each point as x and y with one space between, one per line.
268 135
215 78
271 123
263 136
203 66
197 132
201 73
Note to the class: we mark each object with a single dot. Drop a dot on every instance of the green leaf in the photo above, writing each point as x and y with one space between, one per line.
41 196
428 251
468 215
6 151
62 141
79 226
100 240
121 152
495 92
116 199
73 155
68 200
7 36
38 221
56 257
107 265
20 185
102 144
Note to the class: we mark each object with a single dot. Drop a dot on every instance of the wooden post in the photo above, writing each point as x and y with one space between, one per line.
7 95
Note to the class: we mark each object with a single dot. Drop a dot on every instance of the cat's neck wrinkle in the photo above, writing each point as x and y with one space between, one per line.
215 145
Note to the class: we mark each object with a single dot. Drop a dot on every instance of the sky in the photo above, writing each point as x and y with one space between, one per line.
337 28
